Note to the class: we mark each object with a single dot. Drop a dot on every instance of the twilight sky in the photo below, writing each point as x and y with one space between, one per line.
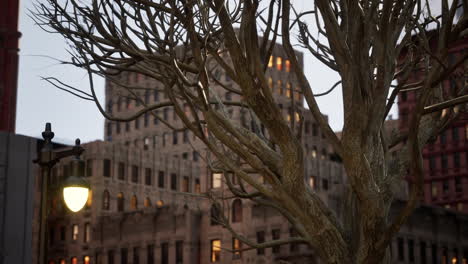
40 102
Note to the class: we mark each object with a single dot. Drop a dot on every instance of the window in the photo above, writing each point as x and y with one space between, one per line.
434 189
174 138
456 159
74 260
165 114
270 83
236 247
148 176
89 167
270 62
260 239
123 256
185 156
195 156
185 137
150 254
279 86
287 65
127 126
443 162
109 129
216 180
179 252
455 136
51 235
134 203
121 171
107 168
279 63
75 230
215 250
110 257
161 179
155 95
401 249
86 260
445 186
137 123
432 163
215 215
185 184
314 130
146 119
134 173
174 181
237 211
147 202
117 127
458 185
197 186
275 235
411 250
136 255
63 233
325 184
87 233
293 247
312 182
288 90
105 200
443 138
422 252
165 253
314 152
120 202
156 118
324 154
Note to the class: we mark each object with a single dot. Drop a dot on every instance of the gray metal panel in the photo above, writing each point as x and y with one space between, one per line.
16 155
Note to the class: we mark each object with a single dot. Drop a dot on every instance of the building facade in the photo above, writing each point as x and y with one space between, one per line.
147 183
446 156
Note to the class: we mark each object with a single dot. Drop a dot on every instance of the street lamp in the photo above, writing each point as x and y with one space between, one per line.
76 188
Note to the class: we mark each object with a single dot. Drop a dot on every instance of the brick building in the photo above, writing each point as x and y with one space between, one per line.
445 157
145 206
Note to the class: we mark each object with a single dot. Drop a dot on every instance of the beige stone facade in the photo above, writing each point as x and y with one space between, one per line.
146 181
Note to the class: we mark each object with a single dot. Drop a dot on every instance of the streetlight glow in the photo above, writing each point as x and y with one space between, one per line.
75 197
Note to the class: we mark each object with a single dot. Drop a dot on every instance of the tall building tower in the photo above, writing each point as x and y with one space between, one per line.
9 36
445 157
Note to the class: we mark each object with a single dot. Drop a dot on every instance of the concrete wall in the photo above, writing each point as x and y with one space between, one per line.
16 197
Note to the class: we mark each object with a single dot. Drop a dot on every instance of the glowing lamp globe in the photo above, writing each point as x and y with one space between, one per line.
76 188
75 195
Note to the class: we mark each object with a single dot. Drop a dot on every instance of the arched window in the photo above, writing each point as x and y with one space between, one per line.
147 202
134 202
105 200
215 215
120 202
237 211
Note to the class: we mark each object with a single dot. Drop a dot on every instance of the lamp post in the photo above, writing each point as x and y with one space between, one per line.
75 189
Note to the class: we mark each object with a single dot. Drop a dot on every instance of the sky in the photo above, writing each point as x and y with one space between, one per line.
40 102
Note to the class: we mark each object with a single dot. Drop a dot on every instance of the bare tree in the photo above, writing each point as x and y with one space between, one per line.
369 43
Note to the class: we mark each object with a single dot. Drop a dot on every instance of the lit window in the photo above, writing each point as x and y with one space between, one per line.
147 202
288 90
215 250
86 260
287 65
236 247
298 117
279 63
216 180
160 203
312 182
279 86
74 260
134 203
62 261
197 186
288 117
185 184
454 260
314 152
270 83
75 232
87 233
434 189
120 202
89 202
270 62
460 206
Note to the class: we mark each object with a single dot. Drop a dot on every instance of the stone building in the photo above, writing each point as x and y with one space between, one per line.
146 205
